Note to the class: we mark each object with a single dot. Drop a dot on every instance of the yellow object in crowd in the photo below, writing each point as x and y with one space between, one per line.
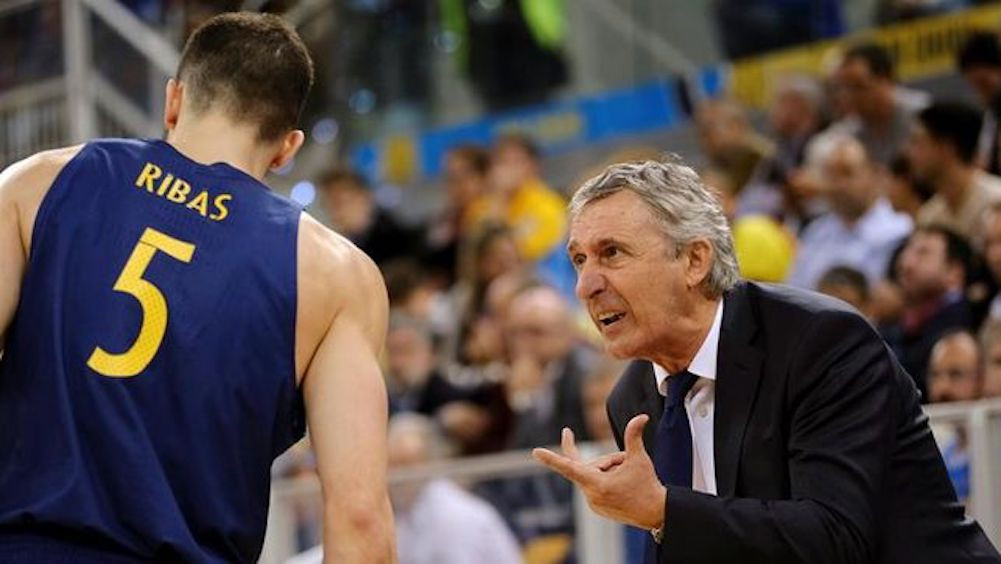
765 250
535 213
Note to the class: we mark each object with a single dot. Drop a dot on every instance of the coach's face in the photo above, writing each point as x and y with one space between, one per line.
637 290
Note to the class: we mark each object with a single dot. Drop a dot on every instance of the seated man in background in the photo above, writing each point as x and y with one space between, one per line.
861 230
941 151
954 369
880 114
547 364
727 138
979 61
931 272
437 522
955 375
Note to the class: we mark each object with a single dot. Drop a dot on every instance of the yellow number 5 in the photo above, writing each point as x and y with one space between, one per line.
154 306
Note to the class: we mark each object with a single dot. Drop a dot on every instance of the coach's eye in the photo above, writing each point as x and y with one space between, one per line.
610 251
577 260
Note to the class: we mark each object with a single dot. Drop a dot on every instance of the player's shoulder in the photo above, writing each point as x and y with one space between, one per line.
327 249
45 165
24 183
327 255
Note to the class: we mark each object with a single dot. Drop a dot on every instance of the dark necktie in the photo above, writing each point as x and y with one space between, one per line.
672 451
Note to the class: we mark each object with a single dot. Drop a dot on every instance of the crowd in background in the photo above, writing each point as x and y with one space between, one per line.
860 188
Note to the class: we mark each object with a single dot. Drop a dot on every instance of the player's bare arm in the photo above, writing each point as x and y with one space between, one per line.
341 328
22 187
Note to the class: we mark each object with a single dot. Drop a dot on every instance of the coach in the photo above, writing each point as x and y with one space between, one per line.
781 428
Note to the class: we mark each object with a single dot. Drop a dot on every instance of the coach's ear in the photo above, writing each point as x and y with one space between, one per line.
172 104
289 146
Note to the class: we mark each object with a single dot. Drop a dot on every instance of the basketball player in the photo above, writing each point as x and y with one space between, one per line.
169 326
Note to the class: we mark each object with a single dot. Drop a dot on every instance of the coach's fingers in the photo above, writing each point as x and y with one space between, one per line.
568 444
634 434
568 468
608 461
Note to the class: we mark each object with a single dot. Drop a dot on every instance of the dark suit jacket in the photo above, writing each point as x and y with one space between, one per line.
822 451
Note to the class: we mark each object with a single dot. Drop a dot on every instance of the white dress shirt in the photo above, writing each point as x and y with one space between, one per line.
700 403
445 525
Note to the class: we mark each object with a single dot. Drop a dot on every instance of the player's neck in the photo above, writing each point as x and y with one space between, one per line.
213 139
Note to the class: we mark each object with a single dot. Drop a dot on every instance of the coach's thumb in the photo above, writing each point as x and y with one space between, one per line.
634 434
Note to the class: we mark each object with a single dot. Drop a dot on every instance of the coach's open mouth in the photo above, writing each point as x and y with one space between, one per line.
607 319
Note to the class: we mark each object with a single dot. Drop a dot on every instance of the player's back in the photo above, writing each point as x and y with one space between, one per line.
148 378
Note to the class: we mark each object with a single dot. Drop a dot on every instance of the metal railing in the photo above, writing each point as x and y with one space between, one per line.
598 540
79 101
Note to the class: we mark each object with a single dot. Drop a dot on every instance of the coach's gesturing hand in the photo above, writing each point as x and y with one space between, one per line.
621 486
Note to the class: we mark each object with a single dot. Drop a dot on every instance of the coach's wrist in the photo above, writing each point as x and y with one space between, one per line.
657 508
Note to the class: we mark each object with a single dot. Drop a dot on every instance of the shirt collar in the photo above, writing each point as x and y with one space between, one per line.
704 363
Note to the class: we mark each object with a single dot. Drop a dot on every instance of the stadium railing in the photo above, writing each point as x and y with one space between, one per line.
295 504
99 73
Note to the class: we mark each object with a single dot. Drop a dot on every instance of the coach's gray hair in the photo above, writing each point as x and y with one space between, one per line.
686 209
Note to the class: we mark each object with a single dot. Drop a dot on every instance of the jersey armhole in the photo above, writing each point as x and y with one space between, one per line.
45 207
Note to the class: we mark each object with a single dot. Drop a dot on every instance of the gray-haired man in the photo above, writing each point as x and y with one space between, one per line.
782 429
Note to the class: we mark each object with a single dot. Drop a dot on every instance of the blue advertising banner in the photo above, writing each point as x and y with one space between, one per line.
556 127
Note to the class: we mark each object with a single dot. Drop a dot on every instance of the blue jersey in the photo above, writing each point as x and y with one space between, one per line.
148 379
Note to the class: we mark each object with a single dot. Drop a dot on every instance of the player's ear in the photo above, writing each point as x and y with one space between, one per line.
172 104
289 146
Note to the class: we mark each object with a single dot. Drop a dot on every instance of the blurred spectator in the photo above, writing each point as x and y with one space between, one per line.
353 213
954 369
931 271
880 117
598 385
886 304
990 239
941 152
546 368
727 139
465 179
409 289
861 230
990 346
955 375
906 193
521 199
437 522
846 284
414 384
979 60
414 292
794 117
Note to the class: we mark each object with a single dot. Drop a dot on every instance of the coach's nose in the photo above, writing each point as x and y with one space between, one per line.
590 282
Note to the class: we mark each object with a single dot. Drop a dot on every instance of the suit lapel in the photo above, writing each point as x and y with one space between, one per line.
737 378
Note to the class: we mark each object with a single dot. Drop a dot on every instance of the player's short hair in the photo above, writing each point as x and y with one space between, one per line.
955 123
253 66
981 49
875 57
